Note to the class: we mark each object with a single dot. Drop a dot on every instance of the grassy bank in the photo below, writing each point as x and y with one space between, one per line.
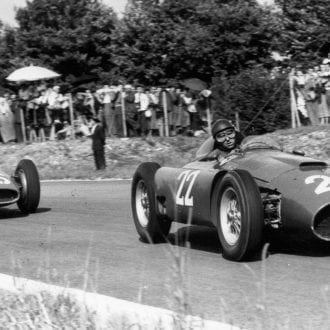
74 159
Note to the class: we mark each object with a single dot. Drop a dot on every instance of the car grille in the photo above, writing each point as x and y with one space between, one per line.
8 196
322 223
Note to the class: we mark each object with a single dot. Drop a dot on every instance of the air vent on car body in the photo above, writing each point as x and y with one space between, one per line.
309 166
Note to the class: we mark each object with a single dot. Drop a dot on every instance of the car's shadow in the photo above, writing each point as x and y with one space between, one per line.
196 237
9 213
278 242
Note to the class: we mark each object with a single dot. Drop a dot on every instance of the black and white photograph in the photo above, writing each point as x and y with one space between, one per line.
165 164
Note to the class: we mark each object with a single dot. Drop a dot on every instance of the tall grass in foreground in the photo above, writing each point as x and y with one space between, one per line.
43 311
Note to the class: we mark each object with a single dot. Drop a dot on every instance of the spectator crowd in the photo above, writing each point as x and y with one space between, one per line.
312 93
39 111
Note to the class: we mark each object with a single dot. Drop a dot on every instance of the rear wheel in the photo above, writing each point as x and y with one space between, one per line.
237 206
27 178
151 225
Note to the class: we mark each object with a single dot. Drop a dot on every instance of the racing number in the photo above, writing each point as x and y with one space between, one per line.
323 187
184 198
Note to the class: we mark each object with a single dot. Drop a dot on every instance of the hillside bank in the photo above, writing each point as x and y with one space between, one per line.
73 159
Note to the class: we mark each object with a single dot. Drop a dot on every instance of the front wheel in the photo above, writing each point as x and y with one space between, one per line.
237 208
27 177
151 225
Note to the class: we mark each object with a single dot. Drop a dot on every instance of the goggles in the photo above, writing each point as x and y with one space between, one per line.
221 136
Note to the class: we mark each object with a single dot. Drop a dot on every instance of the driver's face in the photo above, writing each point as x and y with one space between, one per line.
227 138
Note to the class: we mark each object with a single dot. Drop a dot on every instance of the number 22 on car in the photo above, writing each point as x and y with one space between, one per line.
186 183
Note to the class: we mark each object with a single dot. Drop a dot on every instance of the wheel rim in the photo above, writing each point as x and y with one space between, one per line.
23 182
230 216
142 203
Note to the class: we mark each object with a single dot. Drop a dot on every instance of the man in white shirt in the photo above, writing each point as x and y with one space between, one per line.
142 103
107 96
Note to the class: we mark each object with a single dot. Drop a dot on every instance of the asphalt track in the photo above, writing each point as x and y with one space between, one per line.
83 236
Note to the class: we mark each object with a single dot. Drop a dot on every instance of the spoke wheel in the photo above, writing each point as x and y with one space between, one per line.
149 216
237 210
142 203
230 216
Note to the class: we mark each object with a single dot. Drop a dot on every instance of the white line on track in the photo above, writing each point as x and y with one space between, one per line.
117 311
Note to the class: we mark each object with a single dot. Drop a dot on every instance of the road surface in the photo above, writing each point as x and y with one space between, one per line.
83 236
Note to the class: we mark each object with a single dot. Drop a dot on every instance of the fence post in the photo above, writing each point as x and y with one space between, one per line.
123 113
165 114
208 116
22 124
71 116
295 121
237 123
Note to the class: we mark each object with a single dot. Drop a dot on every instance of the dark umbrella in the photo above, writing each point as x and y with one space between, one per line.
195 84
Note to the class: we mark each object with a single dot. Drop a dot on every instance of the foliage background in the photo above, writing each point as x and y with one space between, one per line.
227 43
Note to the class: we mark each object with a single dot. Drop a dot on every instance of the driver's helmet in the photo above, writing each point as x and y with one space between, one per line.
224 134
221 125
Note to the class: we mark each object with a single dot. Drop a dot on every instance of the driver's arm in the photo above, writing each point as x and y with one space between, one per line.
212 155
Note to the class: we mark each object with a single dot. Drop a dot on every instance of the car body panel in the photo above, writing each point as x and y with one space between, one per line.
302 182
9 191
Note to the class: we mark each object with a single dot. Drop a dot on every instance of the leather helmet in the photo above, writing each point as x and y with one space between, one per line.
221 125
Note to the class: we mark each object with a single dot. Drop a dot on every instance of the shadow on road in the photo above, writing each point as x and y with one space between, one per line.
8 213
199 238
206 239
296 244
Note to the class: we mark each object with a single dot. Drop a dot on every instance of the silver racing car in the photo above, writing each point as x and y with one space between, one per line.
22 187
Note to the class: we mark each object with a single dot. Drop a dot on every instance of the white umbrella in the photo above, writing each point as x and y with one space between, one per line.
32 73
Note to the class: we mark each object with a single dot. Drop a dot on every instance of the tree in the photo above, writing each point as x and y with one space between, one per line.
305 30
170 40
7 50
262 102
71 36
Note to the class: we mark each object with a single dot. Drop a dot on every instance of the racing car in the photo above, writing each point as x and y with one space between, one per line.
23 187
255 187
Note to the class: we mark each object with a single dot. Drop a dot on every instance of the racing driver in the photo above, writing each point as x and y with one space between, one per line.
224 139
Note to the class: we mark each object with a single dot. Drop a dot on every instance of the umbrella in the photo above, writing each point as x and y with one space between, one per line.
195 84
32 73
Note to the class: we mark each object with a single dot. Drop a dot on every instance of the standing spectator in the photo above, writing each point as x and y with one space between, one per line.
183 115
98 141
106 96
154 108
301 106
175 109
312 105
130 110
54 100
189 106
142 104
322 102
89 103
203 106
327 93
159 111
15 107
7 129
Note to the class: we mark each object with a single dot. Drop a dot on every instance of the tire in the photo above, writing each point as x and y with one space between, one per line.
238 211
152 226
27 178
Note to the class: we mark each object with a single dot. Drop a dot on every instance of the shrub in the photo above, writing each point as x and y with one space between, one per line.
262 101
